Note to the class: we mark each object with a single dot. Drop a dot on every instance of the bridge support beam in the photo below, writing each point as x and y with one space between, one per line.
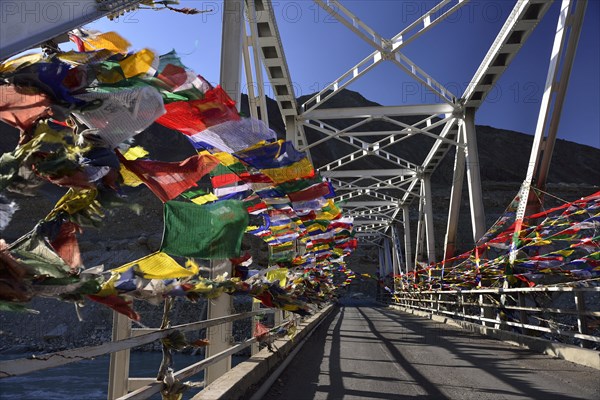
420 230
560 83
395 251
386 256
455 197
551 106
418 235
220 335
231 48
409 265
474 176
118 375
428 216
257 101
231 78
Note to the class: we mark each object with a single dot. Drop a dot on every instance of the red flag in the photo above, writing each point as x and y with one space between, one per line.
191 117
169 179
311 193
21 107
66 245
260 331
118 304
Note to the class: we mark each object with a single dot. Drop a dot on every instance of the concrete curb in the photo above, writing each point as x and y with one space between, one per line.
577 355
235 383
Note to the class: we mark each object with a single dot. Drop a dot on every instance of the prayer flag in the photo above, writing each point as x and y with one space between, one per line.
169 179
191 117
209 231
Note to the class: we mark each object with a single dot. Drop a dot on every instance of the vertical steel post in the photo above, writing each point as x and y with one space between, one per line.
252 105
395 255
474 176
563 82
428 210
455 195
231 48
291 130
387 253
554 84
407 245
379 296
420 229
252 41
231 79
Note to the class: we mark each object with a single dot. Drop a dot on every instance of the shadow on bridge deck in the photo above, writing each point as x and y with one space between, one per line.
364 351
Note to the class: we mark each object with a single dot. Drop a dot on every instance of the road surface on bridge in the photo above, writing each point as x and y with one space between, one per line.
363 351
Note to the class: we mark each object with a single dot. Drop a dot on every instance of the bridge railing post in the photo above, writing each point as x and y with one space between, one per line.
523 314
582 325
220 336
118 375
499 318
482 310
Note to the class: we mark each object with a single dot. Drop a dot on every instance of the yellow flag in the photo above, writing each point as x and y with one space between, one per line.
138 63
11 65
135 152
129 178
300 169
225 158
338 252
210 197
108 287
76 200
564 252
108 40
278 274
157 265
329 211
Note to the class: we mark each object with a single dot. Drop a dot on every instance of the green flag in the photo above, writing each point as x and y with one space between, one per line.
209 231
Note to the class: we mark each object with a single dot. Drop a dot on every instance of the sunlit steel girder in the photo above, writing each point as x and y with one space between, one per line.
524 17
428 20
24 24
377 111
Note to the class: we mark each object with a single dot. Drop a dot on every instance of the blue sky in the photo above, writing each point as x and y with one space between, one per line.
319 49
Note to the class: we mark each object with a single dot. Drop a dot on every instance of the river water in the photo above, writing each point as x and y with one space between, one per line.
88 379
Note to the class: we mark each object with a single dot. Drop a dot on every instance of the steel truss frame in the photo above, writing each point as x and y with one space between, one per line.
375 197
379 195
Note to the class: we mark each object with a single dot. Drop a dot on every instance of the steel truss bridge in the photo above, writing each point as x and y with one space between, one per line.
379 199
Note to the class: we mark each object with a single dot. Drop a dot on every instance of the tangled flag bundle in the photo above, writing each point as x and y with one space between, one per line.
558 245
77 112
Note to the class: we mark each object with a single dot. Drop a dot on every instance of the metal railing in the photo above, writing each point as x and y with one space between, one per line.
142 387
556 313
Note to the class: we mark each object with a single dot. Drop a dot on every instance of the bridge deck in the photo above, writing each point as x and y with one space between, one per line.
363 351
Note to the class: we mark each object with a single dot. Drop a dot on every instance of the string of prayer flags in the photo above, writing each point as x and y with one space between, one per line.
80 110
